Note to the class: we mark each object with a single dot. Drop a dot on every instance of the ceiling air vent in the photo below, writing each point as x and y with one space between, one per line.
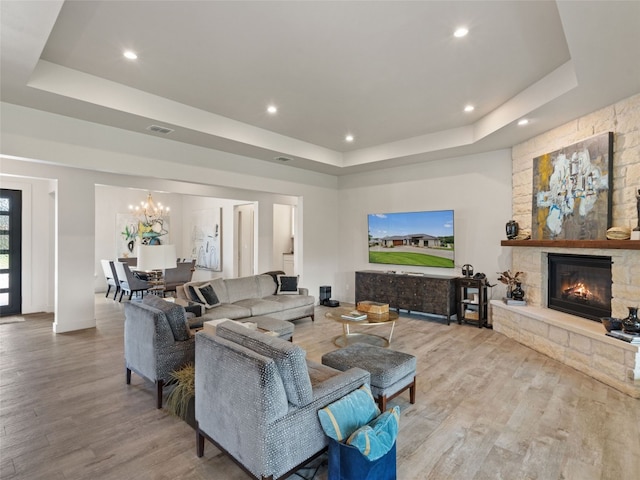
159 129
283 159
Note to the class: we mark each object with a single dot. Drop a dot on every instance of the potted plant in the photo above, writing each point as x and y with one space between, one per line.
181 400
510 280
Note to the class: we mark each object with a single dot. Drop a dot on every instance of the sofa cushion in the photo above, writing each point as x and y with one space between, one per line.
227 310
289 358
375 439
174 314
267 284
260 306
291 301
287 285
343 417
241 288
207 295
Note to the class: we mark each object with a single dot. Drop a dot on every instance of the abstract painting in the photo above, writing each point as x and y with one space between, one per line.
133 229
206 247
572 191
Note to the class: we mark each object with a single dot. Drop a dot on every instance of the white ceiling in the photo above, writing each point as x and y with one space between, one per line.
391 73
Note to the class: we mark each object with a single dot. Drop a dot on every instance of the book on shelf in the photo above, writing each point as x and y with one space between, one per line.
633 339
511 301
354 316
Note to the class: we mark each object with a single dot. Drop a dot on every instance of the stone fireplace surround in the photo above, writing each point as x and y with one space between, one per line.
574 341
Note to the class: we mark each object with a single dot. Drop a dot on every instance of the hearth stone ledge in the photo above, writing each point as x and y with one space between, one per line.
573 341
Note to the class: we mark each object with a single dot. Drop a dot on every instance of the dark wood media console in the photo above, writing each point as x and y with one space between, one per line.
419 293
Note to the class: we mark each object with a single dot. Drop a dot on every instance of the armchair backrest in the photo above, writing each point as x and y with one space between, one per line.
109 273
243 387
150 348
290 359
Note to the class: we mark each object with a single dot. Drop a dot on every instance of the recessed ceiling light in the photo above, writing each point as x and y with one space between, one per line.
272 109
460 32
469 108
130 55
349 138
524 121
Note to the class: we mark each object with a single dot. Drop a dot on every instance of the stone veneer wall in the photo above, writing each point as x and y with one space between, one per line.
575 341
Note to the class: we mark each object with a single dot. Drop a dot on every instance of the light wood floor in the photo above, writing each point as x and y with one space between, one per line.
487 408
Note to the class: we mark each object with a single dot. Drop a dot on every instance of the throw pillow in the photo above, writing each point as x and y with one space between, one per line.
376 439
287 285
341 418
207 296
192 294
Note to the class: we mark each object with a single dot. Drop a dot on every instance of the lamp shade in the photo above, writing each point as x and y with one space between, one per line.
156 257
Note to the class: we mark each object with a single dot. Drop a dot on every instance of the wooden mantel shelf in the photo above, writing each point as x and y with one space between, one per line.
604 244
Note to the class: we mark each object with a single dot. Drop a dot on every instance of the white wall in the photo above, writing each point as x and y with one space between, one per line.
476 187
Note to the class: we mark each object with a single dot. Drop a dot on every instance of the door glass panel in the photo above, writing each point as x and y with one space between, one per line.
4 280
4 242
4 204
4 222
4 299
4 261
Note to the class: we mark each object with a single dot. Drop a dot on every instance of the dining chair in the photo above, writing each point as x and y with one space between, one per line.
129 282
111 277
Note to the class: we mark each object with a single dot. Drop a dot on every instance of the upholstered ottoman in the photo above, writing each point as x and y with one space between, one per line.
391 372
283 328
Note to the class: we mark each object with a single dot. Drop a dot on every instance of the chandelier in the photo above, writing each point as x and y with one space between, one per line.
151 210
151 226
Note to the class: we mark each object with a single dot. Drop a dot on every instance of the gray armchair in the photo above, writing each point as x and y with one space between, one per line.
129 282
257 399
156 341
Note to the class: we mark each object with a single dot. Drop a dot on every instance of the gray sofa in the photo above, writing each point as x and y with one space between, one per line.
257 399
250 297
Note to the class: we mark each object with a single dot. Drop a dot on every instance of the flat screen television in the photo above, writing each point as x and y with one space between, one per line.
422 239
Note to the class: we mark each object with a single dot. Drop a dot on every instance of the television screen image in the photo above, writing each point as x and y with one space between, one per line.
422 239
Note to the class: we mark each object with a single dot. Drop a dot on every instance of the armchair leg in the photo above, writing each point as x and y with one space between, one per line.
199 443
159 385
108 290
412 391
121 294
116 294
128 377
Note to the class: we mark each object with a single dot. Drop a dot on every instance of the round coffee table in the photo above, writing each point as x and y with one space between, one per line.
372 320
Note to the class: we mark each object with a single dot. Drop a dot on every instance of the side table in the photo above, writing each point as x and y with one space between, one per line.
472 301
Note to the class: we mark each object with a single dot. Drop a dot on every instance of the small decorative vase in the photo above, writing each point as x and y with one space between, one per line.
512 229
509 290
518 293
631 324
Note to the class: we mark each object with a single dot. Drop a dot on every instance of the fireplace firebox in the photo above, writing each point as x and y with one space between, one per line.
580 285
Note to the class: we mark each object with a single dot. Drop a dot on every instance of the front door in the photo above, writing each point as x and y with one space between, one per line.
10 252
